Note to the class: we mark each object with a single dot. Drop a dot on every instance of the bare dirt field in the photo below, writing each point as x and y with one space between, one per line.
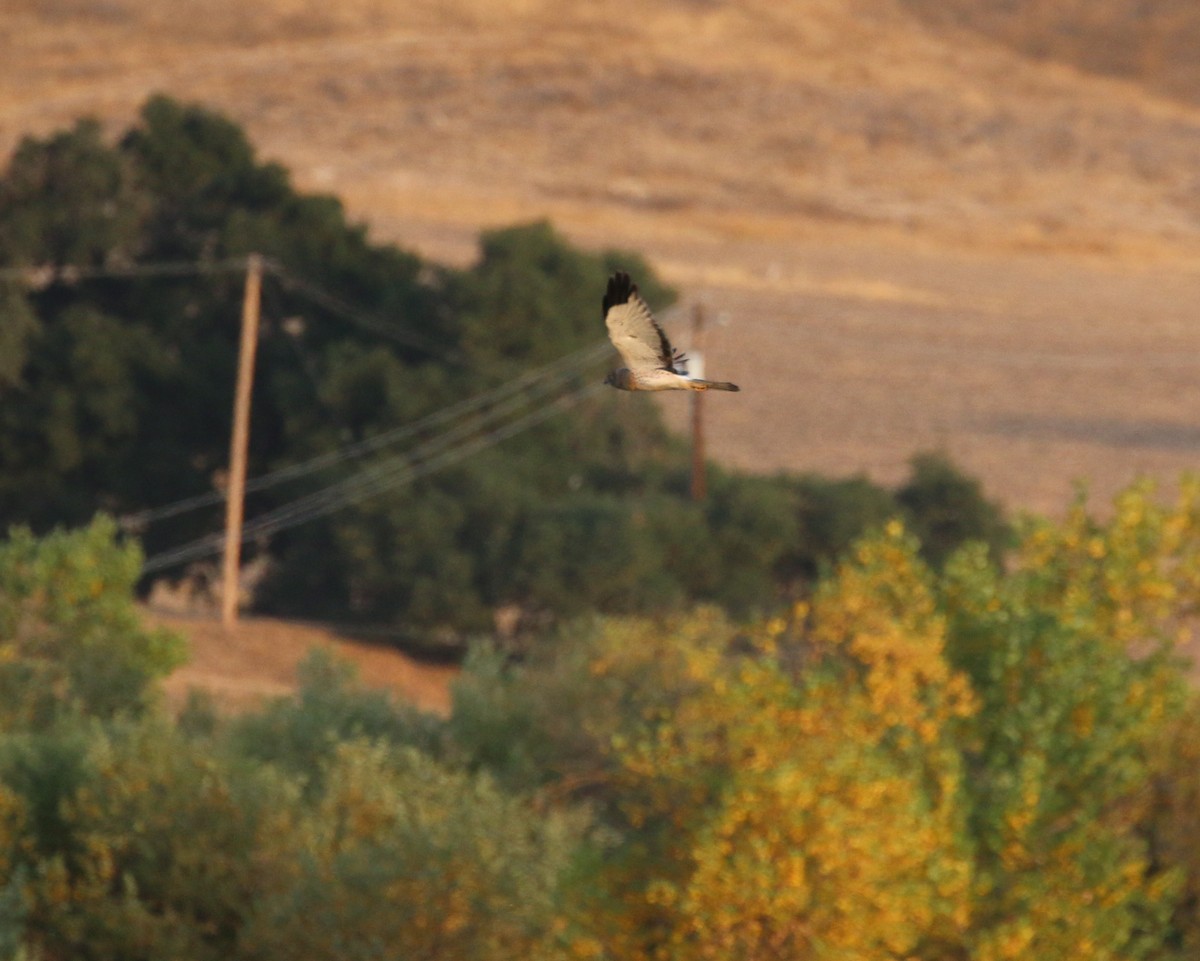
911 229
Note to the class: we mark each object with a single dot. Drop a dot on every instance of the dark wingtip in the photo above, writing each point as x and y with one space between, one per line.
620 289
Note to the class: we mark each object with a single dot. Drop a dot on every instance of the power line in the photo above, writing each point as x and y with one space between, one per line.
360 317
573 362
396 474
368 485
381 473
39 277
46 275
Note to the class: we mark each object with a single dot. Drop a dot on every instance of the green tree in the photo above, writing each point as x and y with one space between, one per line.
19 327
532 297
442 554
117 390
755 524
1172 823
833 513
70 200
945 508
299 734
914 764
1071 657
72 642
749 809
141 845
115 396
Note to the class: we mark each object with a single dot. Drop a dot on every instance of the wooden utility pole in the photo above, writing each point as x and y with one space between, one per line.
235 491
696 369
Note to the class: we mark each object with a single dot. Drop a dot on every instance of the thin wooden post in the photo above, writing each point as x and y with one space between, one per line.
239 442
699 481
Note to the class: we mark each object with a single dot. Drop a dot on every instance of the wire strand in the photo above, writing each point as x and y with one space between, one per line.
370 486
46 275
575 361
361 318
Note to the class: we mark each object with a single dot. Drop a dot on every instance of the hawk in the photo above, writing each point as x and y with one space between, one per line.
650 362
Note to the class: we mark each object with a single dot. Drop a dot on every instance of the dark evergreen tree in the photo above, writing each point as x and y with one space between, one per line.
119 346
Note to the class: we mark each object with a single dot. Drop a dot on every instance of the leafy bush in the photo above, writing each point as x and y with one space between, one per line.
71 640
1173 821
945 509
299 734
403 857
150 849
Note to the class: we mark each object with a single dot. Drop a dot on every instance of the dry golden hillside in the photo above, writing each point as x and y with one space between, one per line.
1154 43
923 232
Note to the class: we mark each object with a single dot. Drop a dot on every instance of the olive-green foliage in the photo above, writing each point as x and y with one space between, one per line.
150 847
322 826
17 332
755 522
117 390
71 641
1173 828
833 513
97 208
299 734
1071 654
12 918
945 508
532 298
1032 710
977 761
402 857
532 739
510 526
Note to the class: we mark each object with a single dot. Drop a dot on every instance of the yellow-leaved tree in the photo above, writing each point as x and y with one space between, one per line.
944 766
800 796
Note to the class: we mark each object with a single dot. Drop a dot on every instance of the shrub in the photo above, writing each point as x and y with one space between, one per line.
401 857
71 639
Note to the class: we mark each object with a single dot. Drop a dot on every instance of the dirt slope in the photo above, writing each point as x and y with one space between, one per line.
257 660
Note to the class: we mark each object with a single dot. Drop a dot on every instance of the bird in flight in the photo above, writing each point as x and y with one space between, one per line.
650 362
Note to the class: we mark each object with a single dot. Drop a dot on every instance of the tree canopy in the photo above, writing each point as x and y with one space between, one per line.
911 763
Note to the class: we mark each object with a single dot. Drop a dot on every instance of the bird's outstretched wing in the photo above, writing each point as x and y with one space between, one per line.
633 331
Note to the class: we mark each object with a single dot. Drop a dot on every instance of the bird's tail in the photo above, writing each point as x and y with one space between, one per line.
713 385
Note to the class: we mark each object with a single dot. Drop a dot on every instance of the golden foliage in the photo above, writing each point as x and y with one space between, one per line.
801 813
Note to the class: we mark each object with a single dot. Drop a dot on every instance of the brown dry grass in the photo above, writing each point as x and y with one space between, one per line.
921 238
255 661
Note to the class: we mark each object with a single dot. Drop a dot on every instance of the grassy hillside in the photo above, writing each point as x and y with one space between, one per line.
853 111
1153 43
926 231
